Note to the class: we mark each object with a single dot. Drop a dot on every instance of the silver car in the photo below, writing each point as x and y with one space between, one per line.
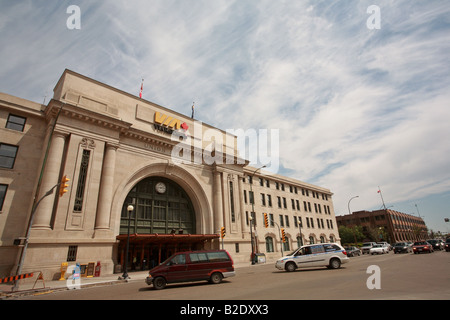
329 255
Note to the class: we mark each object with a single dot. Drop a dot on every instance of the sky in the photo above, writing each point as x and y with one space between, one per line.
360 96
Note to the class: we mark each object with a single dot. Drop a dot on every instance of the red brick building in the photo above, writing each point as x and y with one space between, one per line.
386 225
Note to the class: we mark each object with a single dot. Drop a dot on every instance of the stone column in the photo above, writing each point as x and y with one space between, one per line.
217 197
106 188
43 214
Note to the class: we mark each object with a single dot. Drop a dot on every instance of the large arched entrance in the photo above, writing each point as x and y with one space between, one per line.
162 223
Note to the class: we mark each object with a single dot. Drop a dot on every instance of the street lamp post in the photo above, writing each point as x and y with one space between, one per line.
348 205
349 212
253 210
300 230
251 239
130 209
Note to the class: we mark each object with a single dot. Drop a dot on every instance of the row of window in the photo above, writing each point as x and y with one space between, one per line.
286 245
8 152
282 203
284 221
292 189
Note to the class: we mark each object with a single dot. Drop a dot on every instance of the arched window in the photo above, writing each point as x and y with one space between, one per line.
286 246
160 206
269 244
322 239
311 240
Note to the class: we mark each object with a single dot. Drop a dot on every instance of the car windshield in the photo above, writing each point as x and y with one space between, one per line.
400 244
367 244
420 243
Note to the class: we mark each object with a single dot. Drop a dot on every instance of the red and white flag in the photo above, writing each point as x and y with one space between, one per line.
142 88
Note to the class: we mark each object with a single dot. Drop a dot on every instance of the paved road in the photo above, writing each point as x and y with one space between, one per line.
402 276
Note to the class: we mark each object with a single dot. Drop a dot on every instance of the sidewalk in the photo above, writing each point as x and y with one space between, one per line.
44 286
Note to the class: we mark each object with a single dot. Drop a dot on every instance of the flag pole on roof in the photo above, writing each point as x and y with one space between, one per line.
382 200
142 88
192 116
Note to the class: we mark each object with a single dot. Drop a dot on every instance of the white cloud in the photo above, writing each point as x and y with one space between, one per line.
356 108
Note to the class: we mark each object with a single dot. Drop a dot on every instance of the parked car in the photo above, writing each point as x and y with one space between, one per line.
447 245
435 243
329 255
400 247
385 244
367 246
353 251
422 246
379 249
211 265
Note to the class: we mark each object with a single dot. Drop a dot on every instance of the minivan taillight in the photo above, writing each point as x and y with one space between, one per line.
344 252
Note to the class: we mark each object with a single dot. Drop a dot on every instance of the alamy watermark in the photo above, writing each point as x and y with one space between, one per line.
374 281
74 20
374 20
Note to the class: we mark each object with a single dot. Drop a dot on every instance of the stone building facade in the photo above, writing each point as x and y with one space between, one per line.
119 150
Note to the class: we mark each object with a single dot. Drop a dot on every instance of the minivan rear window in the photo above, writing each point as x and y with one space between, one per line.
218 256
208 257
331 247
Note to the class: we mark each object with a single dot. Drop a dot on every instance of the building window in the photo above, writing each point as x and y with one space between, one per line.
233 216
272 223
299 241
16 123
286 245
269 200
236 247
281 221
287 221
3 189
7 155
81 186
263 199
269 244
311 240
154 212
72 253
250 195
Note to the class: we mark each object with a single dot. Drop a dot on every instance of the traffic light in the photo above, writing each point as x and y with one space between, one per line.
266 220
283 235
63 185
222 232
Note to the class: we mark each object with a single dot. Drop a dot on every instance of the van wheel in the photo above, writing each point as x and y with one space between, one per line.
290 267
335 264
216 278
159 283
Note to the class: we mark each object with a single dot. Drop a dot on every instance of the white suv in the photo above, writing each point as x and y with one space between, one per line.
329 255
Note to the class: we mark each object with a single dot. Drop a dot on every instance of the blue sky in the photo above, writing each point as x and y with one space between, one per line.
356 108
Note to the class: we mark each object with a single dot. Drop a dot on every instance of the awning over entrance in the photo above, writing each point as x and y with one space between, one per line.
148 250
167 238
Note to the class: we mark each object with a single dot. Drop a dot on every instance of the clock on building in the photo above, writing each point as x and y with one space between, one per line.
160 187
